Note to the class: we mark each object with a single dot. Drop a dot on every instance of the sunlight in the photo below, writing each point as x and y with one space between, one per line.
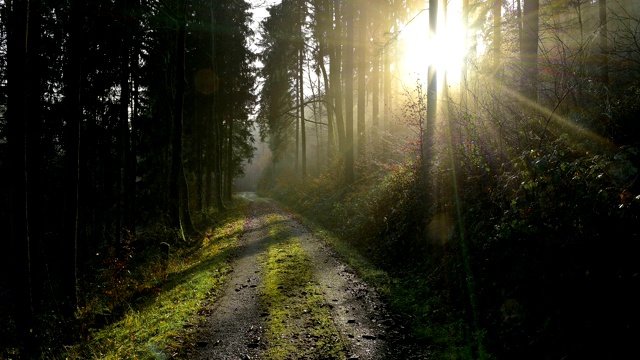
447 52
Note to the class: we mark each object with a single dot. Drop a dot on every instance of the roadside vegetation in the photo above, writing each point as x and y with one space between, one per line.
525 254
148 305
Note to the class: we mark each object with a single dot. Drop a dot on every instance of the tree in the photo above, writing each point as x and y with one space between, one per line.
529 49
432 92
603 33
176 173
276 97
301 7
363 39
497 36
73 119
19 241
348 91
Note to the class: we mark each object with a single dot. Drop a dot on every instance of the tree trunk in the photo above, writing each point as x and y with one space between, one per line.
432 93
229 172
176 134
604 43
303 132
19 245
328 90
348 96
217 122
529 49
73 116
335 60
497 37
375 83
362 74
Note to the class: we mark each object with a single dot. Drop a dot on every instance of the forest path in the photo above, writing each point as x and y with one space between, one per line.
243 324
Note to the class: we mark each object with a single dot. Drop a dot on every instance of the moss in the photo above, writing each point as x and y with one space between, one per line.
299 324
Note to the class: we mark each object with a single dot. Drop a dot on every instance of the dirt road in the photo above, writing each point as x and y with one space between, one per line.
240 324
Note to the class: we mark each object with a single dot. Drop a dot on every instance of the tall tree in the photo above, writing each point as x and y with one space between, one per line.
176 173
497 36
336 55
301 9
529 48
432 91
348 91
604 42
19 245
363 40
73 119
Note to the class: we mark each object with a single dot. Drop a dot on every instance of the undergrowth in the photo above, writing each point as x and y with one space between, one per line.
149 307
529 257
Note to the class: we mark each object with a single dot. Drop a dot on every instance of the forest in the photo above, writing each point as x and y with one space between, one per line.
482 154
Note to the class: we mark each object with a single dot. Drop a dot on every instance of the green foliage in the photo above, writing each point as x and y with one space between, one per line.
546 234
146 304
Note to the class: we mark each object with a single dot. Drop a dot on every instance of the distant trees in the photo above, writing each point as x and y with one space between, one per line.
349 43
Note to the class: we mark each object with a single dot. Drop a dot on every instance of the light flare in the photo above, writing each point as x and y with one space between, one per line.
446 52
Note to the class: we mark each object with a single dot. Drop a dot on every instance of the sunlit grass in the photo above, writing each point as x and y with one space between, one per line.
160 323
299 322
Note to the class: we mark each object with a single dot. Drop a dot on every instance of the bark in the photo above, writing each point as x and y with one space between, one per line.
335 73
348 103
303 132
362 74
375 82
175 172
465 25
604 42
73 116
217 122
229 170
529 49
19 245
330 109
497 37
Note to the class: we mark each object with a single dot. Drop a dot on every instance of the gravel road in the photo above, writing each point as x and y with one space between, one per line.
234 326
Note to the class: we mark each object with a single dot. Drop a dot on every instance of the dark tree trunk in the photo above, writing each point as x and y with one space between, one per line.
229 171
35 156
19 246
432 93
604 43
497 36
217 121
73 117
529 49
175 172
328 89
303 132
335 71
363 39
198 148
348 96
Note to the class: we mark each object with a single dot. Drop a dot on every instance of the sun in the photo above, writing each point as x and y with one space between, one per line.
447 52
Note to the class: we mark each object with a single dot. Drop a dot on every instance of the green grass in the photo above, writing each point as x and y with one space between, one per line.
299 324
408 294
159 324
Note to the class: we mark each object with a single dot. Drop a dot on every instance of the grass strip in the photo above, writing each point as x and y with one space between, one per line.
407 294
299 324
160 323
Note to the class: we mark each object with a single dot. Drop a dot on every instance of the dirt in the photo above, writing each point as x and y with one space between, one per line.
235 322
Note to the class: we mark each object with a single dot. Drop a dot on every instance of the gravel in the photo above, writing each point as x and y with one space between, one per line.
234 326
